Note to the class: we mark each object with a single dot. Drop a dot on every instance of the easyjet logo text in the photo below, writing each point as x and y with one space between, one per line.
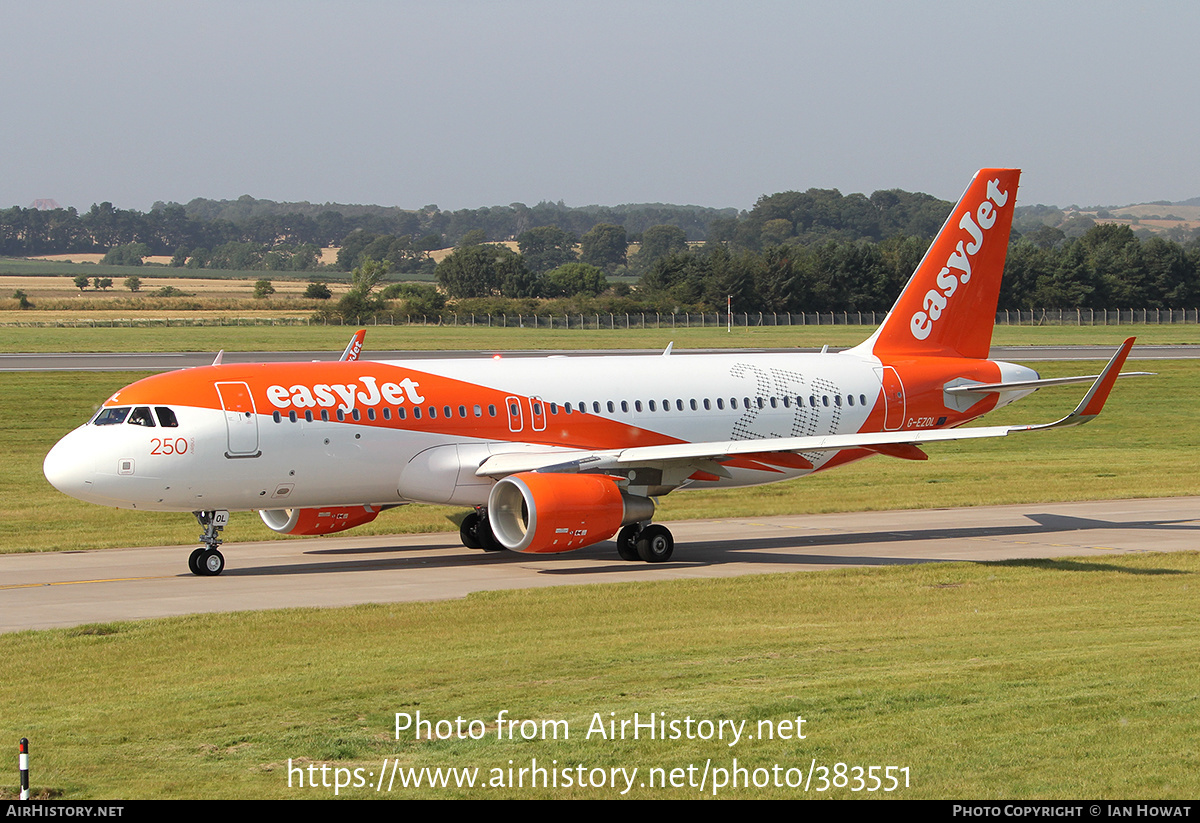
367 392
958 265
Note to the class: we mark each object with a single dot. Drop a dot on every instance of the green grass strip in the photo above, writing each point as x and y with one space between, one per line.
1023 679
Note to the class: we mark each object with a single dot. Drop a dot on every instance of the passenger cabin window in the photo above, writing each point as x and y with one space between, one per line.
141 417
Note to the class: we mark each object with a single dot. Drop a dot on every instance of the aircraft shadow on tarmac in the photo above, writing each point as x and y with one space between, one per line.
766 551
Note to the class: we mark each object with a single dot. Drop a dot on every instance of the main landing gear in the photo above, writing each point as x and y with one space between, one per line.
207 561
476 532
652 543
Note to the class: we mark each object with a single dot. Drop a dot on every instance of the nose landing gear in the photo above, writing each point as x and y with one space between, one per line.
207 561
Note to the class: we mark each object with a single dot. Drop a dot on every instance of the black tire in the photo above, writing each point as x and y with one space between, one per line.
487 538
627 543
468 532
194 561
211 563
655 544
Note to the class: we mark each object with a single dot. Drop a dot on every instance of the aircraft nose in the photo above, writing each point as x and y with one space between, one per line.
66 470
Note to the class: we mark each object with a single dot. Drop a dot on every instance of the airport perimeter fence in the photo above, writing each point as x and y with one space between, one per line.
638 320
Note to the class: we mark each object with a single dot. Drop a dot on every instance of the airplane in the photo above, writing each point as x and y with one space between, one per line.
558 453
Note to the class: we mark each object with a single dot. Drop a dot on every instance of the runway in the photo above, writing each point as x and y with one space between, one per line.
70 588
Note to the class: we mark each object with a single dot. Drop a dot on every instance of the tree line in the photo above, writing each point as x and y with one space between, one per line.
816 250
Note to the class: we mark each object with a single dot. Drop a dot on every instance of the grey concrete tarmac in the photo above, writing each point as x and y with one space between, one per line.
70 588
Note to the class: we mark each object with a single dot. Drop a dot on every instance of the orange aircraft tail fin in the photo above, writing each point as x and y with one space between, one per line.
948 307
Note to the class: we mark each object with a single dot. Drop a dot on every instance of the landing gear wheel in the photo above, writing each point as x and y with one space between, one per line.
468 531
476 533
211 563
655 544
194 561
627 542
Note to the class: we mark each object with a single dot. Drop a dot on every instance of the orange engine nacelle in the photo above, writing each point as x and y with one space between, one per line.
317 521
548 513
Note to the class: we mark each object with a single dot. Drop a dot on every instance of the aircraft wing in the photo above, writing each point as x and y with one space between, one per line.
709 456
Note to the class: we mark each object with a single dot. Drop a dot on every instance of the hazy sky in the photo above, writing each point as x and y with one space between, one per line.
467 104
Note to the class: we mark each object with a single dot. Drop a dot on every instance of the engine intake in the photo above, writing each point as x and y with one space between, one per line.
546 513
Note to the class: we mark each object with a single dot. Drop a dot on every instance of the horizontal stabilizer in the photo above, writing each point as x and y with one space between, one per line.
1020 385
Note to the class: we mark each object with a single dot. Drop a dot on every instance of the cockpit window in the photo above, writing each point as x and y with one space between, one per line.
141 417
166 417
111 416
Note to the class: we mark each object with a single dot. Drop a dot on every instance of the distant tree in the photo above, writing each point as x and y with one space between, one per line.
574 278
318 291
263 288
774 232
179 259
547 247
105 283
485 271
130 254
475 237
359 301
605 246
133 283
81 281
198 258
22 299
658 242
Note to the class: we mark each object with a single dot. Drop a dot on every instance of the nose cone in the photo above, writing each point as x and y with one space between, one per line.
68 468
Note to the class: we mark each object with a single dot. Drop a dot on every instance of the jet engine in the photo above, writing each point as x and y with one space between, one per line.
317 521
546 513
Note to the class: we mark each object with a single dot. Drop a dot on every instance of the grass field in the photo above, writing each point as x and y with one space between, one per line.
1028 679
